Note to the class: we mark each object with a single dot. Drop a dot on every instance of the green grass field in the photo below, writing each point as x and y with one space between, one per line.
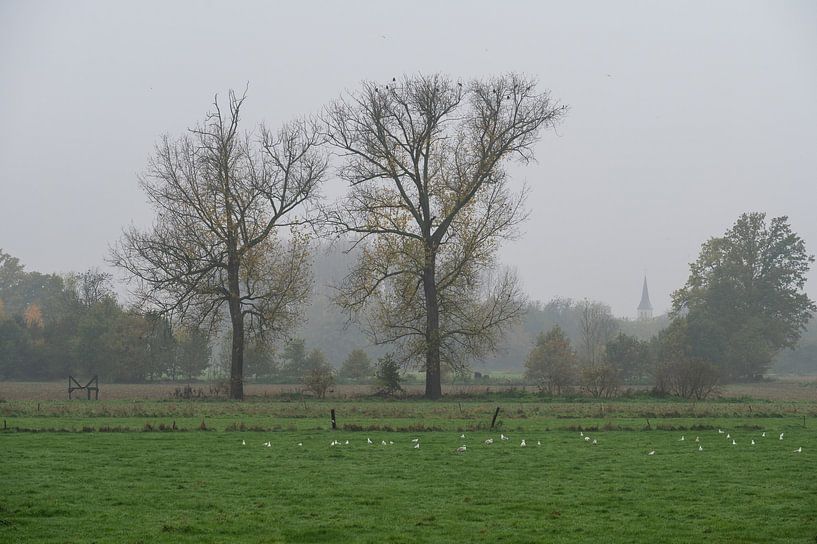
114 482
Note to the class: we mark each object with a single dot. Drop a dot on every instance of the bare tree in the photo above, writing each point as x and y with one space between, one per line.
221 198
430 202
597 326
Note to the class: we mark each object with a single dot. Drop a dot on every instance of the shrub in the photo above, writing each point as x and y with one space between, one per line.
319 380
388 376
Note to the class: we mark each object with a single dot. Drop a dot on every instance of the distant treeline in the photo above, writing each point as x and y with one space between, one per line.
55 325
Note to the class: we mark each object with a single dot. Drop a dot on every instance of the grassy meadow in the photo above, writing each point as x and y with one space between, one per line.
176 471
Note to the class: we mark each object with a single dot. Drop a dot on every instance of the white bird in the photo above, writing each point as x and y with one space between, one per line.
383 443
243 443
720 431
417 446
489 442
594 442
415 440
697 439
781 436
799 450
700 448
753 441
332 444
503 437
390 442
734 443
651 453
581 433
538 443
461 449
763 434
347 442
682 438
462 435
727 436
269 444
369 440
523 443
300 443
587 439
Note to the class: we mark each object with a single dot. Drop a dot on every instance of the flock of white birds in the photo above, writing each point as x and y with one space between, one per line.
586 438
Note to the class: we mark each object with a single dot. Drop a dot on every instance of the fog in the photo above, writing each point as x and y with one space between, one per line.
681 116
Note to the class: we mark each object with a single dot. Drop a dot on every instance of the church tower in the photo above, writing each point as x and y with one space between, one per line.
645 308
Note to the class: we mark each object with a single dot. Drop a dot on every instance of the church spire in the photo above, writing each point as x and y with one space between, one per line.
644 307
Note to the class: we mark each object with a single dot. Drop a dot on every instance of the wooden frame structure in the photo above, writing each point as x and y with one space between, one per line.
92 385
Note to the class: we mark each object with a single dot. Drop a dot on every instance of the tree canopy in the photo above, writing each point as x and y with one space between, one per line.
744 299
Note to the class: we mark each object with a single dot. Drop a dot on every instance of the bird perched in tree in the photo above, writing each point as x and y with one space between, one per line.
461 449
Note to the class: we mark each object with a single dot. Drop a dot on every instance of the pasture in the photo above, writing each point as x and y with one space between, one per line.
176 471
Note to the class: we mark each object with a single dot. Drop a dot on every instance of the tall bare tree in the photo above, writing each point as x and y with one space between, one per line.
221 196
597 327
430 202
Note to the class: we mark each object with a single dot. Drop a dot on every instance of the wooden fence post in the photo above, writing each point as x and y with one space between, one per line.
494 419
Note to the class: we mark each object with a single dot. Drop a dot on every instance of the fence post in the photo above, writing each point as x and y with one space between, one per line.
494 419
334 425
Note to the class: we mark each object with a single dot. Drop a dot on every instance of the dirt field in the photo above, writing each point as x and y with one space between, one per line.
801 389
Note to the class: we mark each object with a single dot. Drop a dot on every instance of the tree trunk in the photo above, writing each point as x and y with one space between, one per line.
237 320
433 386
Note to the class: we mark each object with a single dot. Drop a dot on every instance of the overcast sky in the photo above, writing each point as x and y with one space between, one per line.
682 116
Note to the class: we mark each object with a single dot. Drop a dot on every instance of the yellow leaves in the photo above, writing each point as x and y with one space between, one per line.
33 317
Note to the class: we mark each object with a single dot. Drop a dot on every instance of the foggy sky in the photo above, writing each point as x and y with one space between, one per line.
682 116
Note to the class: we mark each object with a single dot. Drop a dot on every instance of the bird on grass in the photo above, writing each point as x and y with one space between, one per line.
503 437
417 446
489 441
369 440
594 442
581 433
383 443
763 434
269 444
799 450
651 453
734 443
462 435
523 443
347 442
415 440
300 443
587 439
720 431
697 439
781 436
461 449
700 448
538 443
391 443
682 438
243 443
728 436
753 441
